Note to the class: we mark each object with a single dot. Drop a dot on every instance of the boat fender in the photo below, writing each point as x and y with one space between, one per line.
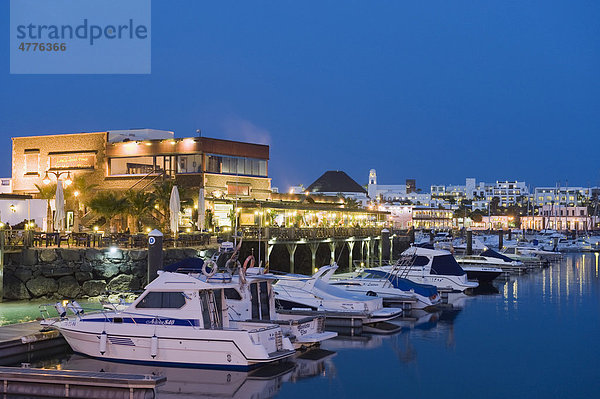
103 341
154 346
213 268
250 259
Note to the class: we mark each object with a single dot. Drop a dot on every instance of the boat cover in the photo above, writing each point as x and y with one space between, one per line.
490 253
404 284
188 265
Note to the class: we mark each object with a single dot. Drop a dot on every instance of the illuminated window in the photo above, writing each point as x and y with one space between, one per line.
131 166
238 189
189 163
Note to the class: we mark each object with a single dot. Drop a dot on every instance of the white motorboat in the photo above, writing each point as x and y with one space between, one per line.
488 265
388 286
426 265
528 257
253 300
249 295
178 320
298 294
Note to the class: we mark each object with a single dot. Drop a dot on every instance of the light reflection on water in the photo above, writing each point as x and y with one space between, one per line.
536 336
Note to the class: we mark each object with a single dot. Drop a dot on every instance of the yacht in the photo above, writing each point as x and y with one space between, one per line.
488 265
528 258
305 295
250 297
425 265
178 320
388 286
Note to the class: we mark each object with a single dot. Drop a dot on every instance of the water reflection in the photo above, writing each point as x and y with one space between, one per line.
181 383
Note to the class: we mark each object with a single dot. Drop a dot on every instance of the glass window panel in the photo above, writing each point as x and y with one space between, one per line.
131 166
247 166
226 164
263 168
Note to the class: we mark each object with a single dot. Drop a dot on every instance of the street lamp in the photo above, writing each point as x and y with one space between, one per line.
68 180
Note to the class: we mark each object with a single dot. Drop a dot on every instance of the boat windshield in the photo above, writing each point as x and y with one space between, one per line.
446 265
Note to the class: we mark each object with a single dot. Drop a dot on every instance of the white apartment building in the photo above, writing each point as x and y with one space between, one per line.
571 196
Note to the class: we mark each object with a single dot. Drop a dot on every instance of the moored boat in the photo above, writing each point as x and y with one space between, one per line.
178 320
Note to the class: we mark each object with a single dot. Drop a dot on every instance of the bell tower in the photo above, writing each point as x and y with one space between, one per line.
372 187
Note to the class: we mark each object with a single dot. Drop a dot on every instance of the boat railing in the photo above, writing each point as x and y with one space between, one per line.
108 315
401 268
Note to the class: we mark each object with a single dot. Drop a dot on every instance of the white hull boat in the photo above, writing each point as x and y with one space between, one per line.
434 267
297 294
178 320
389 287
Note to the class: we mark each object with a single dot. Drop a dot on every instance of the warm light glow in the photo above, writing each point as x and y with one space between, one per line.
148 230
13 208
113 249
46 179
68 181
195 206
173 142
156 206
76 193
148 143
95 228
188 230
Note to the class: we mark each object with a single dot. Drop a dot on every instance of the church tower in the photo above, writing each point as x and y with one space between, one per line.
372 187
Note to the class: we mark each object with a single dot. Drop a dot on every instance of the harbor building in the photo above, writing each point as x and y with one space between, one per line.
121 160
432 218
571 196
561 217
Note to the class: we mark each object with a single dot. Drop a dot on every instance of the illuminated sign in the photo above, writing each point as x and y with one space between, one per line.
73 161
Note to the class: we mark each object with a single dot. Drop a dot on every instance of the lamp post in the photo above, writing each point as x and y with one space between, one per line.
46 180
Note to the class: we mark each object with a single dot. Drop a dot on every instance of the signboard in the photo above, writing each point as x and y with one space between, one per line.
72 161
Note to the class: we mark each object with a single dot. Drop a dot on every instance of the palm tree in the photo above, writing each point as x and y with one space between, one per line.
108 205
139 204
47 192
162 192
81 192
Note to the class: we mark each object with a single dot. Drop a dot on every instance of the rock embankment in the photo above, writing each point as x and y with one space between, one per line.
77 273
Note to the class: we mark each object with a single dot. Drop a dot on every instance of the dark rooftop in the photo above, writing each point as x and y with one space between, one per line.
335 181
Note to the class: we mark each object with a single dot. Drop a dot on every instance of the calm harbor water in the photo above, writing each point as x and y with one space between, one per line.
537 337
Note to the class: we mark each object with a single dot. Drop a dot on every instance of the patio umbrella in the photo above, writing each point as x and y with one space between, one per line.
174 209
201 210
59 206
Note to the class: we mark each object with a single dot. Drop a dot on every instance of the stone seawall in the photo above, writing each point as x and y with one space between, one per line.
78 273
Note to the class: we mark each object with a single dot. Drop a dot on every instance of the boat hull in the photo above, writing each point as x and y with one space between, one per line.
204 350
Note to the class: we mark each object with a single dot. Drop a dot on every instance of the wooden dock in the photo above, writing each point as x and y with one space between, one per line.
19 341
77 384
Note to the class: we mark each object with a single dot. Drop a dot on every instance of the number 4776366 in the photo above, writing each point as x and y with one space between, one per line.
42 46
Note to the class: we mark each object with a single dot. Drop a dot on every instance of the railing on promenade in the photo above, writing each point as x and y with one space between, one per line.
308 233
15 240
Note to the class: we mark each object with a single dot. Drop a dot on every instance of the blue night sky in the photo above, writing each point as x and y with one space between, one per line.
432 90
